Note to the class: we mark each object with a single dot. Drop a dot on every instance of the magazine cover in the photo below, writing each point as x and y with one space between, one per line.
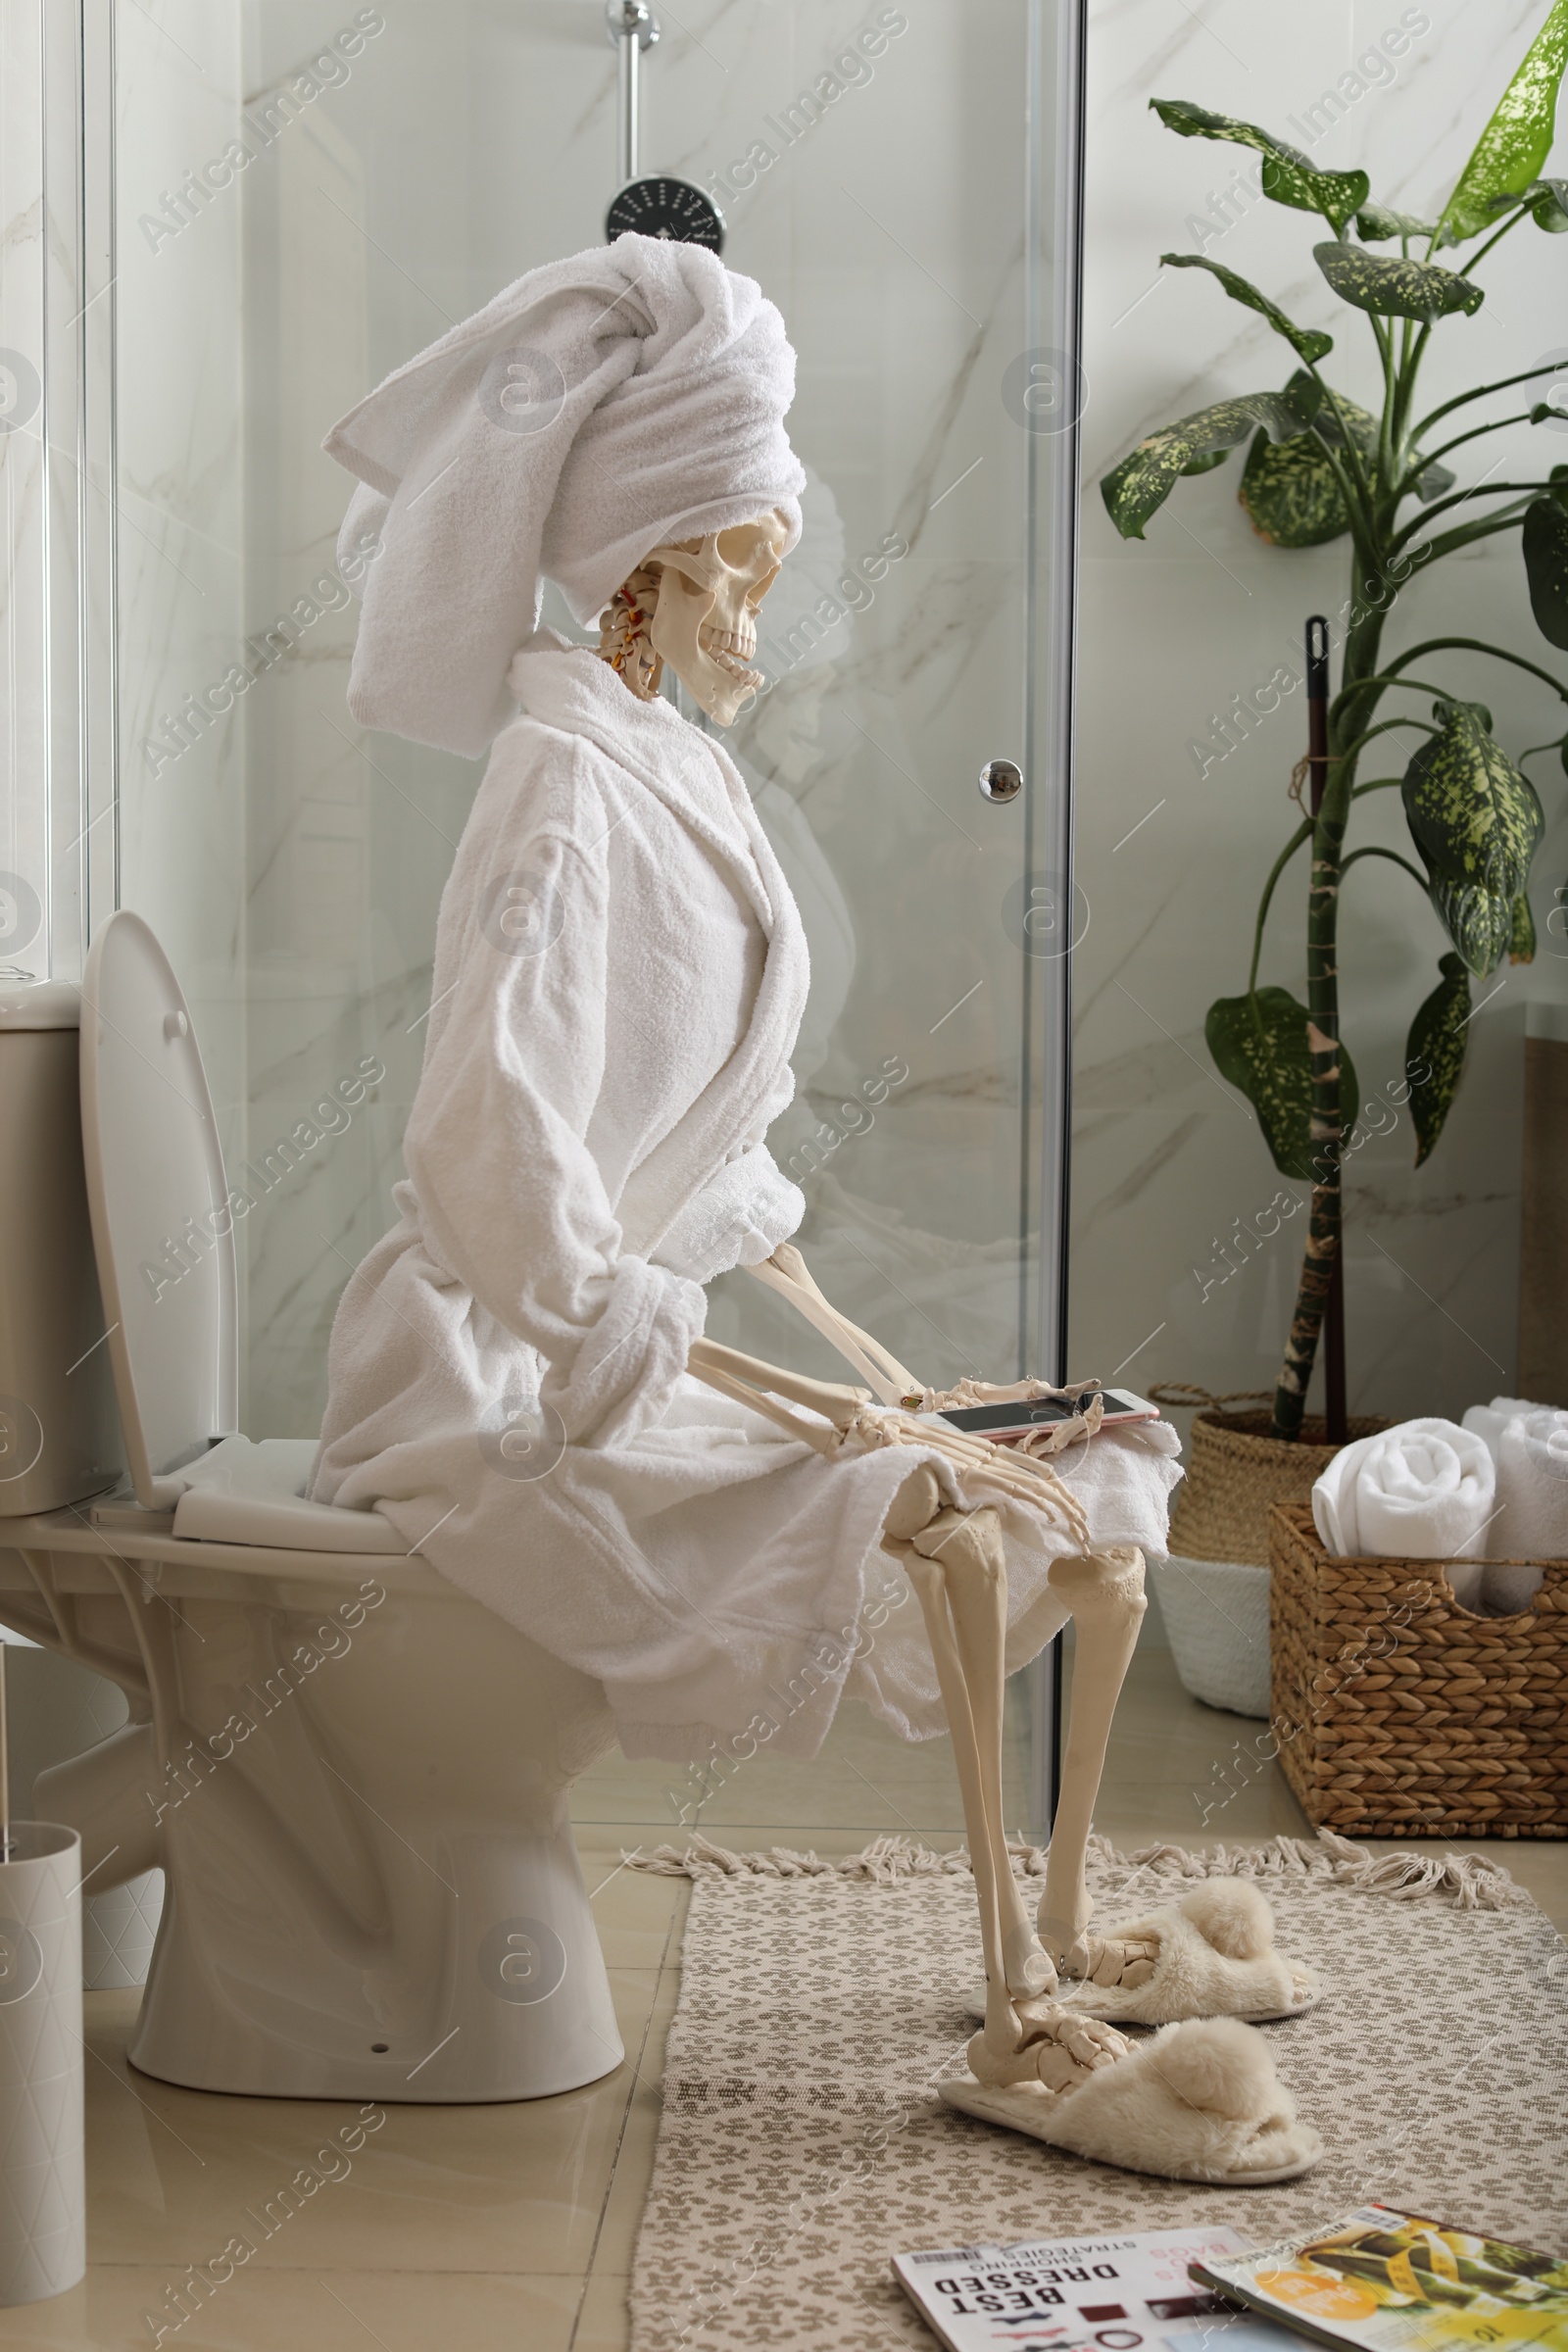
1391 2281
1086 2294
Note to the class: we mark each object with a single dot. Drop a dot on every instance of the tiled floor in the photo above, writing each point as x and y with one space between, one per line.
514 2225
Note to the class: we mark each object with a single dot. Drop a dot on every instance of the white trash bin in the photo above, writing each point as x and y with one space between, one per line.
43 2246
1217 1621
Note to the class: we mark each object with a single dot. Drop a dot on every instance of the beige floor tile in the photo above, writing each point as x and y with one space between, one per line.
864 1779
604 2324
118 2308
174 2173
640 1917
624 2208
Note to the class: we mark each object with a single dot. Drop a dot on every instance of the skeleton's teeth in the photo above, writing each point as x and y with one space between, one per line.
740 642
733 666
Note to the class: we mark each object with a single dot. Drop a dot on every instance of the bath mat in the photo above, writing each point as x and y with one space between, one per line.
802 2144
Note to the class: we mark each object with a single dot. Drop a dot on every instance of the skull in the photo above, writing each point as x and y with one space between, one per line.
705 619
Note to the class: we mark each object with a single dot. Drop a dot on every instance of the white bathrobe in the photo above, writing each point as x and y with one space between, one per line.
619 976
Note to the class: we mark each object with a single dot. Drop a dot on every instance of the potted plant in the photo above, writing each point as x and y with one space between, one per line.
1322 468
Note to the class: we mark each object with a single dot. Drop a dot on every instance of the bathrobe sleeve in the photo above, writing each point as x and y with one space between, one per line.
514 1202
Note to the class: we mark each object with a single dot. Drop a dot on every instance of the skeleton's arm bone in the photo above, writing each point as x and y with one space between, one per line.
787 1272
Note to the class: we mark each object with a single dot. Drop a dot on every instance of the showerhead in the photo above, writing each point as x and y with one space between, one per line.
665 207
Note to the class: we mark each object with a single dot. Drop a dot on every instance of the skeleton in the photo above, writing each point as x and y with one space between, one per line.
693 604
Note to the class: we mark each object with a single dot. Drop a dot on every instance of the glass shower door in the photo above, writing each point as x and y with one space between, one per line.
295 210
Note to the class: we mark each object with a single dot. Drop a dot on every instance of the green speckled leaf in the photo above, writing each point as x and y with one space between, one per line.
1474 817
1308 343
1396 289
1435 483
1140 485
1479 921
1551 212
1544 541
1289 176
1261 1047
1207 462
1522 944
1433 1054
1515 143
1376 224
1287 487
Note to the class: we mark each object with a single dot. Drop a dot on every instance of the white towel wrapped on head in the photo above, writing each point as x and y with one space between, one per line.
601 406
1422 1490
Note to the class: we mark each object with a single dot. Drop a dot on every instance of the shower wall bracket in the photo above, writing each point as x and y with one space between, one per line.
631 27
658 204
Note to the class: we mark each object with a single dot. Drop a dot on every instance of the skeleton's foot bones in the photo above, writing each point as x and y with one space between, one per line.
1209 1954
1195 2102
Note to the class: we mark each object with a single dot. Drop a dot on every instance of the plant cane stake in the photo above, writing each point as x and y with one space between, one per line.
5 1766
1321 467
1324 1115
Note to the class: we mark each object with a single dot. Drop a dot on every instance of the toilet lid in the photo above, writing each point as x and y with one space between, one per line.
157 1196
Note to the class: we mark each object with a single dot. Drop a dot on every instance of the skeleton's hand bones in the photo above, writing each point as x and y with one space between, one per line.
849 1422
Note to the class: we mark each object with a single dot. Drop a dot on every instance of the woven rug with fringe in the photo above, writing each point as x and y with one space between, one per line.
802 2144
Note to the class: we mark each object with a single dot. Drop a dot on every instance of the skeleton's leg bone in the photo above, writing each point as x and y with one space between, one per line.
916 1504
952 1552
1002 2031
1105 1592
970 1551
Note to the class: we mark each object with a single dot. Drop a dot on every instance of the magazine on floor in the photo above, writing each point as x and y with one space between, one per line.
1389 2282
1132 2294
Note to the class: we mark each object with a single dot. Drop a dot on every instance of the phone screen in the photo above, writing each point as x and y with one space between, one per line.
982 1420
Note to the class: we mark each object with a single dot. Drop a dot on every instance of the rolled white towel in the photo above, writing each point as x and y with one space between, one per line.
1532 1522
1488 1421
1422 1490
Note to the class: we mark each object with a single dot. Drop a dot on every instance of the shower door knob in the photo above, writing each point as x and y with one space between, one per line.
1001 780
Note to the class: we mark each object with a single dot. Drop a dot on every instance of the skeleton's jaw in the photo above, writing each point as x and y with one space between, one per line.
709 659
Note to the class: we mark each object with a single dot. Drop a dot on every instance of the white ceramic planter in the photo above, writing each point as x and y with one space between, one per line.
42 2192
1216 1622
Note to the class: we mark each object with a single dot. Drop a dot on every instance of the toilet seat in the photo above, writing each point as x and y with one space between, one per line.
247 1493
163 1232
162 1226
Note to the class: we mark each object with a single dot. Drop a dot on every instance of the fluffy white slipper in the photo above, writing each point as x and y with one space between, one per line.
1200 2101
1215 1957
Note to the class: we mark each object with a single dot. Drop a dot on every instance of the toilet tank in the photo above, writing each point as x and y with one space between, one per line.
59 1425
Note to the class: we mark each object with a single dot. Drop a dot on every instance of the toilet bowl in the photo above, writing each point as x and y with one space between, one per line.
355 1778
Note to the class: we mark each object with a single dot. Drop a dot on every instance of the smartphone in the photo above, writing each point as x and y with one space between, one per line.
1015 1420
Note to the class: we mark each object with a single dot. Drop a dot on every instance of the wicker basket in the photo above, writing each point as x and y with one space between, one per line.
1400 1713
1236 1471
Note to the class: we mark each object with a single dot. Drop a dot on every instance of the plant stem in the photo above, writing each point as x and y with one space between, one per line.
1478 645
1301 833
1503 383
1371 850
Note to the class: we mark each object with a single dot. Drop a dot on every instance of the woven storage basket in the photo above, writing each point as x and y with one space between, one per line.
1400 1713
1236 1471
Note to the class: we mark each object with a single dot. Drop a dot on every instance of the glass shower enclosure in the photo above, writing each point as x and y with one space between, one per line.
259 208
